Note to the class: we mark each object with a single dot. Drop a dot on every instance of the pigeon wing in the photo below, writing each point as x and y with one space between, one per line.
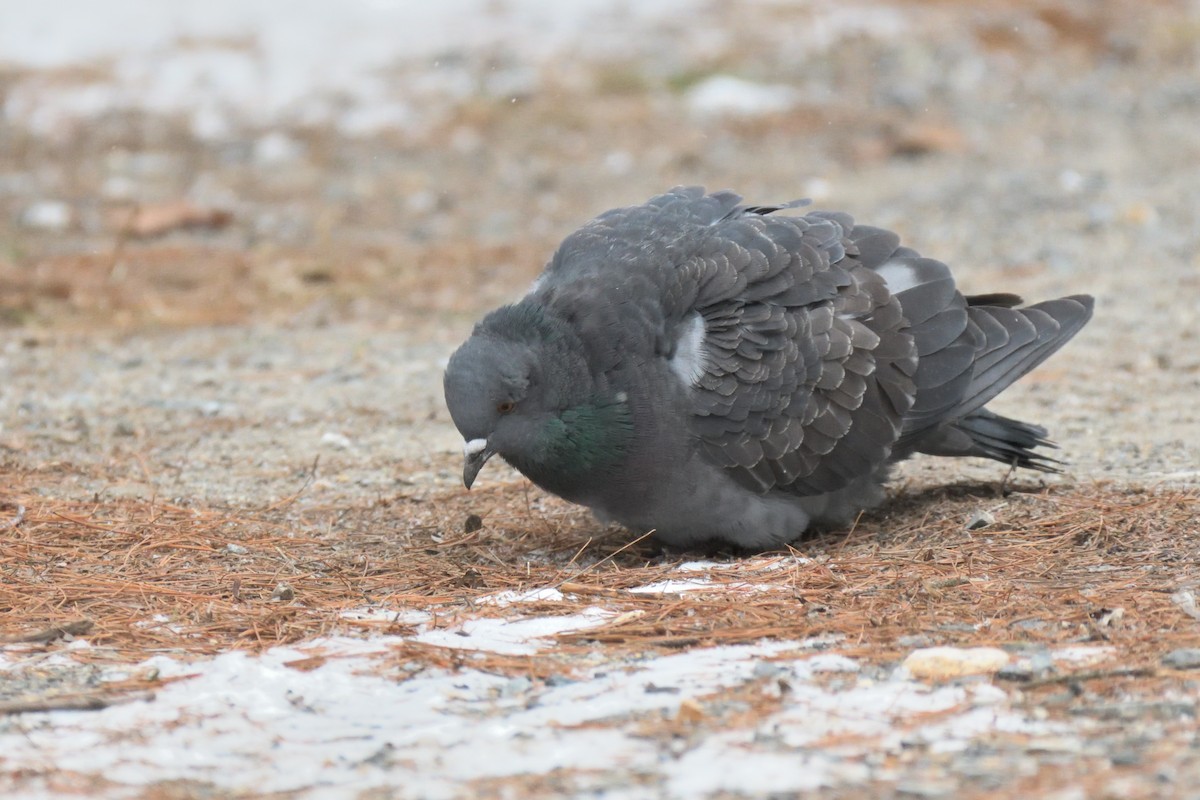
807 373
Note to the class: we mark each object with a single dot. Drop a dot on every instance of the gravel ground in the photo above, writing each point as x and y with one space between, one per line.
230 272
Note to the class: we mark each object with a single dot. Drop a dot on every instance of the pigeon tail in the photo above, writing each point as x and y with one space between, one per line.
1016 340
987 435
1011 342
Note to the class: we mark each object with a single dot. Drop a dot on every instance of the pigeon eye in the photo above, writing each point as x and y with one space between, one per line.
506 406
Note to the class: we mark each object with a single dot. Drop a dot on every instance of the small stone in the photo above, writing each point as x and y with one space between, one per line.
211 408
1125 758
384 757
1071 181
283 593
1055 744
1184 658
47 215
1032 624
941 663
725 95
1185 601
516 687
338 440
766 669
652 688
980 519
915 640
926 788
277 148
472 523
236 549
690 711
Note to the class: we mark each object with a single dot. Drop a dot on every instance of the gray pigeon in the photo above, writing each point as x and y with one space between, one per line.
699 368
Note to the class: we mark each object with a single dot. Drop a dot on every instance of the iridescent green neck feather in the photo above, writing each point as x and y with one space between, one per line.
578 446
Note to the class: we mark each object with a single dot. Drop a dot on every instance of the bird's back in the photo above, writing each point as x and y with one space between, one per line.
827 346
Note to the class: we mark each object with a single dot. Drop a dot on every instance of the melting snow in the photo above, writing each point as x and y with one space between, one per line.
348 725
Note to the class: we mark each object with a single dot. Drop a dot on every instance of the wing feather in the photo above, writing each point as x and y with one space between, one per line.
806 332
828 348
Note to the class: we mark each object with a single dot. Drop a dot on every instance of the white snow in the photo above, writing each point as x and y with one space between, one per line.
521 635
361 65
351 723
341 715
228 62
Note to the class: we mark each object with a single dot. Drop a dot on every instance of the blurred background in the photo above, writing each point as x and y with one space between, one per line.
240 238
179 169
202 161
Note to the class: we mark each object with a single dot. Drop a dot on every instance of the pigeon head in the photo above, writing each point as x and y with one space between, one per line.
519 387
493 391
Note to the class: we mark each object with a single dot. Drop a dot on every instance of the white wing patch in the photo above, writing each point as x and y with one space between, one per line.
537 284
898 276
690 357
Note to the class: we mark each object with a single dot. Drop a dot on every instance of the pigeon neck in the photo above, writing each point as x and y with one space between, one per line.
580 445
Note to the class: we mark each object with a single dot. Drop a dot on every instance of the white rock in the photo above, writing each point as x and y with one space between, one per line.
338 440
725 95
817 188
1070 181
277 148
980 519
941 663
47 215
619 162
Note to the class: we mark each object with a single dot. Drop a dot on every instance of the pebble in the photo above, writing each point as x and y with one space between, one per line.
766 669
338 440
1030 624
1185 601
1056 744
725 95
47 215
926 788
941 663
915 640
277 148
516 687
1183 658
980 519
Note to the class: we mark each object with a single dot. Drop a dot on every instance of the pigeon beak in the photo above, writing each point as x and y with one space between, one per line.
475 455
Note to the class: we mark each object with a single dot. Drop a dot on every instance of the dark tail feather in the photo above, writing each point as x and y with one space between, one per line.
1016 341
989 435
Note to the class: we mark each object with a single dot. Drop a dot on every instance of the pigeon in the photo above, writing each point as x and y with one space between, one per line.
719 373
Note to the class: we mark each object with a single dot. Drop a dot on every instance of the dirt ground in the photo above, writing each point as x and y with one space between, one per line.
221 356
